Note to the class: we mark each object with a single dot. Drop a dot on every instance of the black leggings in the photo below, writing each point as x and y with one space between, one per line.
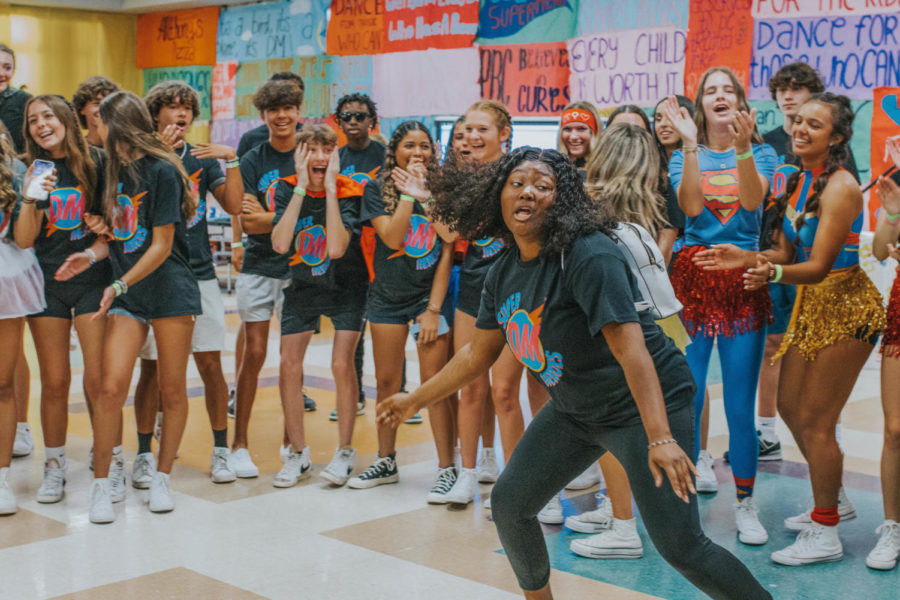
555 449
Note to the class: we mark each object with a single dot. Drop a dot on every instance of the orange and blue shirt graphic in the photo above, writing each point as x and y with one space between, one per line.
523 331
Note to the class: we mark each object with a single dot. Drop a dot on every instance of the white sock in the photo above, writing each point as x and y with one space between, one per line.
767 428
59 453
22 425
838 435
117 450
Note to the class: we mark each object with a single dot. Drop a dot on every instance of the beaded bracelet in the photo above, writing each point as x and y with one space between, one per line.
688 149
90 252
120 286
433 308
745 155
661 442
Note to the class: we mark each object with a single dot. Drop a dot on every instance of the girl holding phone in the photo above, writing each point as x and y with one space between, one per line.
55 228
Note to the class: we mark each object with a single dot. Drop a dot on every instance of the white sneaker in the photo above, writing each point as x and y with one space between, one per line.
706 481
487 503
591 477
884 556
284 452
846 511
552 513
593 521
815 544
157 426
750 530
7 499
338 470
53 486
443 483
620 540
243 465
117 478
142 470
463 491
487 466
101 503
220 470
160 495
296 468
24 443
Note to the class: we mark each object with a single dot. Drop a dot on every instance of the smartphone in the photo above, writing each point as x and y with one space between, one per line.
443 327
42 169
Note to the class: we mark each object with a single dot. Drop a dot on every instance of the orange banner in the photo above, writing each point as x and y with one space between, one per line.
355 27
413 25
885 124
177 39
721 35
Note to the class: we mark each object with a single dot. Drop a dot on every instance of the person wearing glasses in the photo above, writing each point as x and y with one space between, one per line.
361 160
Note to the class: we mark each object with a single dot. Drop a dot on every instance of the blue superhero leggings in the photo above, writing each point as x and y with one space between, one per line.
740 357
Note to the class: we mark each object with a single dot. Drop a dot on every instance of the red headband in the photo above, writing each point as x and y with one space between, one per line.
577 115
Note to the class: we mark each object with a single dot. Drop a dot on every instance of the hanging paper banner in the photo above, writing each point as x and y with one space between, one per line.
326 78
280 29
199 78
526 21
885 124
813 8
179 38
530 79
356 27
853 55
721 35
223 91
229 131
610 15
428 82
637 66
423 24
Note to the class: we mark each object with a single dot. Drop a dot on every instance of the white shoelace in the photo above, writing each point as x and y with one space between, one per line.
890 535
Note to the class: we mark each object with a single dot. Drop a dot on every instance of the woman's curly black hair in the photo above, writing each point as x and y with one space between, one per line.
467 199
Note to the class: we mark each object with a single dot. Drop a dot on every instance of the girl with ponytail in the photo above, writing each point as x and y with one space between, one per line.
837 317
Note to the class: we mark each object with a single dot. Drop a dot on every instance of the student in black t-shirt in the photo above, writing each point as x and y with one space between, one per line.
146 202
264 273
173 106
361 160
315 224
12 99
55 228
563 299
86 100
412 262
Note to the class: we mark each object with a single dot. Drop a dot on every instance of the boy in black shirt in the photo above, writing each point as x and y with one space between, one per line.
87 105
316 216
174 105
361 160
264 274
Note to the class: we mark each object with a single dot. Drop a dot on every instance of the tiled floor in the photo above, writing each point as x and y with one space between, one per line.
251 540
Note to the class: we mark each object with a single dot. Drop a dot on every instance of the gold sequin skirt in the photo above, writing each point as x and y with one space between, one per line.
845 305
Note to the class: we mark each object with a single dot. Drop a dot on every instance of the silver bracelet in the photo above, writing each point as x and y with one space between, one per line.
661 442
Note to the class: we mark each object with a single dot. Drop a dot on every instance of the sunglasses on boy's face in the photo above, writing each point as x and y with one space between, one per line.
346 117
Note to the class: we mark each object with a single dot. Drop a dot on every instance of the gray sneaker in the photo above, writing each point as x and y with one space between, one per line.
142 470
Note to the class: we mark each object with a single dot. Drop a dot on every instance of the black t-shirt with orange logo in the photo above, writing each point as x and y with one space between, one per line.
205 175
63 231
151 200
552 312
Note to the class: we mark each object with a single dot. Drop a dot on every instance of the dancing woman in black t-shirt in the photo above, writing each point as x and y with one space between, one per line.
562 299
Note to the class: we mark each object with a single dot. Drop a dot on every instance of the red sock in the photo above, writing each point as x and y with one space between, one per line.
826 516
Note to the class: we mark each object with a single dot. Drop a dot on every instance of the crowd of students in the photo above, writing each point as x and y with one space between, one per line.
496 259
